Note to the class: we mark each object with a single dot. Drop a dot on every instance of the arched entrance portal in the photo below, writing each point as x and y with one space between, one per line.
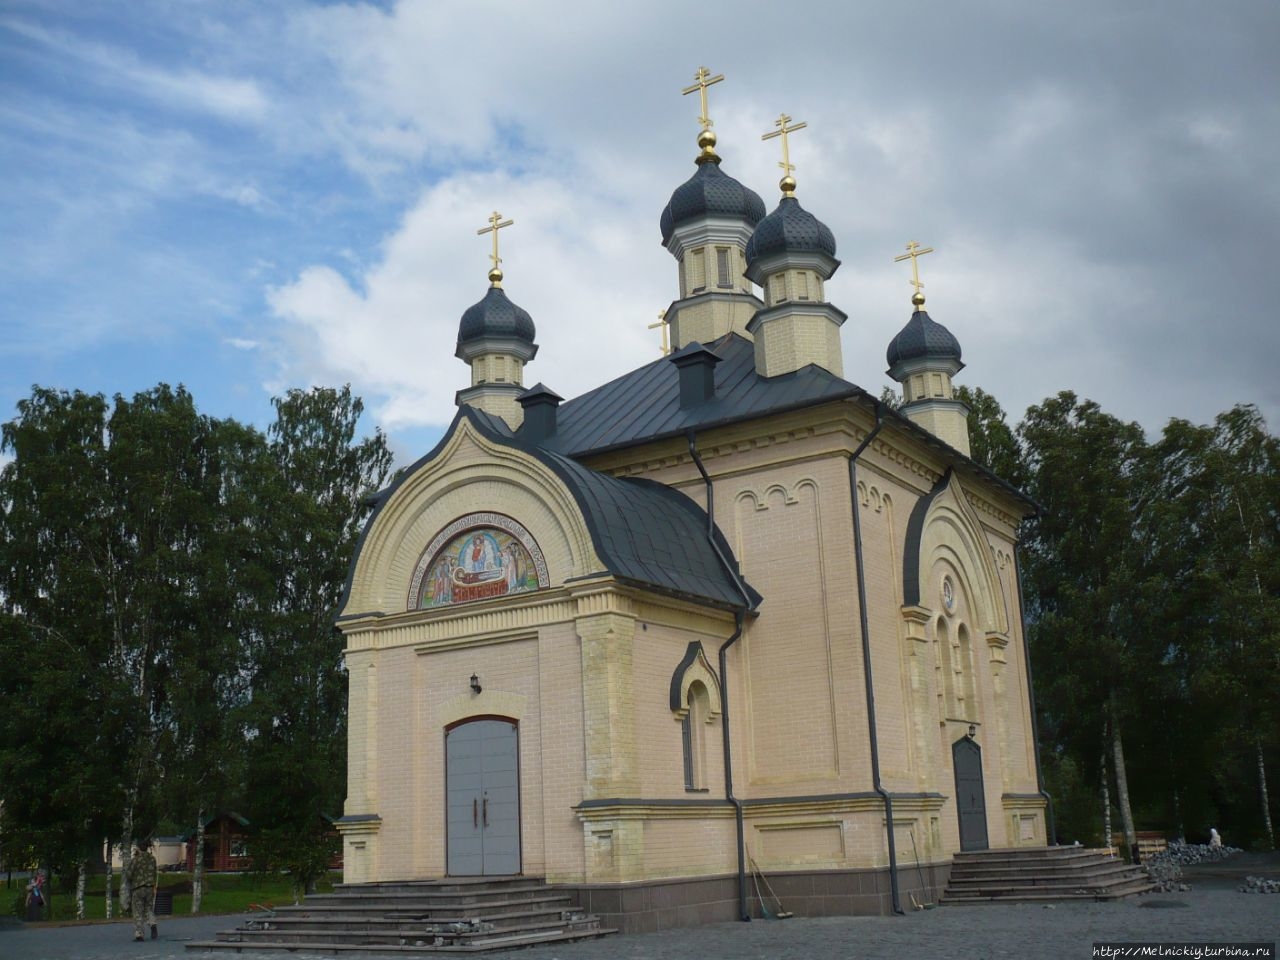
482 782
971 803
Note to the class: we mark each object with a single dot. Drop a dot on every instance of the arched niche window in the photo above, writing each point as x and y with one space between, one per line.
955 655
695 702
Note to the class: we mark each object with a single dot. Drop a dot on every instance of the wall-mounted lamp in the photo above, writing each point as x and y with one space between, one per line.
475 688
972 728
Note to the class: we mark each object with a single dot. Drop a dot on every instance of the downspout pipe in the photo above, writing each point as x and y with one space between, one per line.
1031 698
866 658
739 617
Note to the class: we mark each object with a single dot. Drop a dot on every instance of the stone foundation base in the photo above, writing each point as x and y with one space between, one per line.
662 904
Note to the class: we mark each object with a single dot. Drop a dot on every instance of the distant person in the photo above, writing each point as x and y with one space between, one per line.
1214 839
142 884
36 897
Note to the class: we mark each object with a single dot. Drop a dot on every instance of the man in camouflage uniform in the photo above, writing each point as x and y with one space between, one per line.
142 884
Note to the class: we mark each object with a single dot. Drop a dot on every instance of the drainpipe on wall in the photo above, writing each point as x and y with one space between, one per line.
866 658
1051 836
739 616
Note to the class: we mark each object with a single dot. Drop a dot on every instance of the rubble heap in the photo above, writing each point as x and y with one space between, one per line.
1188 853
1260 885
1165 868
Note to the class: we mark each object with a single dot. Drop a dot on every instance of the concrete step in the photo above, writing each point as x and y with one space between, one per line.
510 942
514 918
406 901
462 915
1116 892
1092 875
461 889
1038 875
422 933
1031 855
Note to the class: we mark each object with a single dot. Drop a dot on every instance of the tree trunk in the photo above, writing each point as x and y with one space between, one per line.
1266 799
1106 792
197 867
126 855
110 876
1122 781
82 868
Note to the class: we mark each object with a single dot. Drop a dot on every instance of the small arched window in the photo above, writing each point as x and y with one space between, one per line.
694 730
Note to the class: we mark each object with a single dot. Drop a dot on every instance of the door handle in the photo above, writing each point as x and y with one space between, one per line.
475 818
485 808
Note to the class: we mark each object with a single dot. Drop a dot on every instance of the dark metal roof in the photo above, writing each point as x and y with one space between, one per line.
790 229
650 534
645 403
710 191
922 337
495 316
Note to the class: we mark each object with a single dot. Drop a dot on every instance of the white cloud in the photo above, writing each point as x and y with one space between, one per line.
392 330
231 98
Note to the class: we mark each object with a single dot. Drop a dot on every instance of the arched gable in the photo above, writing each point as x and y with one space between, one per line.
944 526
468 471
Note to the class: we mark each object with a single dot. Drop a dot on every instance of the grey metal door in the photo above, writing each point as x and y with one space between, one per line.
971 803
482 776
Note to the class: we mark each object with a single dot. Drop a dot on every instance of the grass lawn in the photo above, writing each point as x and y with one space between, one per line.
223 893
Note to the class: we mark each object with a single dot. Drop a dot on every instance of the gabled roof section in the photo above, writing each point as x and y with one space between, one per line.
645 403
646 534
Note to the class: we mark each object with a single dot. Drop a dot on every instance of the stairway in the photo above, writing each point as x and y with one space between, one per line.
456 915
1040 875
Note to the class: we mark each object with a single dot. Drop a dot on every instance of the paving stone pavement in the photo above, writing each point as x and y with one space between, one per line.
993 932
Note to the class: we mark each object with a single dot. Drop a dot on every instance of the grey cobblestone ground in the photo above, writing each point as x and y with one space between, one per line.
945 933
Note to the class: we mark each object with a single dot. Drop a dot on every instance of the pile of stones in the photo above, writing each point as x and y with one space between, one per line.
1165 874
1165 868
1189 853
1260 885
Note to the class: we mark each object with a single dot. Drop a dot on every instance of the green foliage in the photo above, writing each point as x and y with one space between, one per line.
1077 810
296 714
167 590
1152 577
991 440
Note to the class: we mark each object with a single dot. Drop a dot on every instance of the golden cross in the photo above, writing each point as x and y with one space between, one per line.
786 164
496 223
914 250
662 322
703 80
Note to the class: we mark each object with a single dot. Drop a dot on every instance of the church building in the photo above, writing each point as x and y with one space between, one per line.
728 616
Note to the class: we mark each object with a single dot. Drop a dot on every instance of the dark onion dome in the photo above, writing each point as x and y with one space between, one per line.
710 192
495 317
790 229
922 338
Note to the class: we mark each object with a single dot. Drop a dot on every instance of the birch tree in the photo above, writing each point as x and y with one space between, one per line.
1090 474
296 717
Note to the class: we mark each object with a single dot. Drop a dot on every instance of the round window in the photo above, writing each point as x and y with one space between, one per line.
948 594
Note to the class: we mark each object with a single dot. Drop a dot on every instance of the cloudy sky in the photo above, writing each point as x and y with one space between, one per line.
245 196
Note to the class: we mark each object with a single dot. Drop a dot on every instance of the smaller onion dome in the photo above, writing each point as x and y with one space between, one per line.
790 229
495 317
922 338
710 191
